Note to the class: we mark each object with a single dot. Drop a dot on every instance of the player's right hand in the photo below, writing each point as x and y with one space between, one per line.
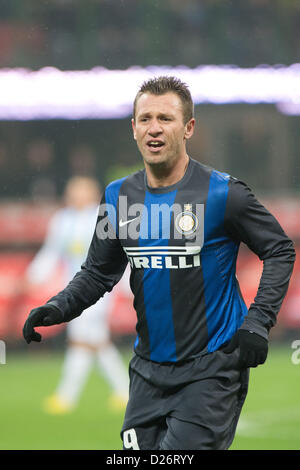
46 315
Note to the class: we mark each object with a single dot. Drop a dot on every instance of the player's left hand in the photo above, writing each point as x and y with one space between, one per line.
253 348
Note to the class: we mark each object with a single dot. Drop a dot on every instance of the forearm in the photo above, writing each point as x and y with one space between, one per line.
85 289
277 271
80 293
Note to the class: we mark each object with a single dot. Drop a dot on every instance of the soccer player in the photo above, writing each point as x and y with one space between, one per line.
69 235
179 224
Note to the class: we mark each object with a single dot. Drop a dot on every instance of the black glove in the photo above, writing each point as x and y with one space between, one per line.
253 348
46 315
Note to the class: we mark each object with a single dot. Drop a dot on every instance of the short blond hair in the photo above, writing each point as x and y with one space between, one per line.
165 84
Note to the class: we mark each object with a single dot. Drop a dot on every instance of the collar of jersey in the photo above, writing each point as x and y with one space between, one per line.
173 187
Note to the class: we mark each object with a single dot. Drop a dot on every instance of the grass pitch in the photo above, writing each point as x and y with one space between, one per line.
270 419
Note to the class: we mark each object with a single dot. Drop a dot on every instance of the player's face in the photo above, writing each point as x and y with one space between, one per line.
159 128
81 193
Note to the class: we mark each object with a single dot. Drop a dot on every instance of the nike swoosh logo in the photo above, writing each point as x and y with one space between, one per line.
125 222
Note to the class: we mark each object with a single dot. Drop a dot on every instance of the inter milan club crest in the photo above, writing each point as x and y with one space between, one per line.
186 222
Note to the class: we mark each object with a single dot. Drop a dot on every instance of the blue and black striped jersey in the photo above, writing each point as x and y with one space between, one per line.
182 243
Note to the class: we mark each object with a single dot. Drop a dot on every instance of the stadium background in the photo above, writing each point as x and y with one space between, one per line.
255 142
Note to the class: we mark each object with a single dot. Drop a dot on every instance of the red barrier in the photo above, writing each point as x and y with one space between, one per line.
24 223
15 301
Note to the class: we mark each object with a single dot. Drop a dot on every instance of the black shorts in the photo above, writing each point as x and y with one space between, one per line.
191 406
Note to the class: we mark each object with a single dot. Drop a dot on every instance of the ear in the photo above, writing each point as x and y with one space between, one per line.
133 128
189 128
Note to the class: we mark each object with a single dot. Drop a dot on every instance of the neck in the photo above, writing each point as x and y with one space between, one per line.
162 175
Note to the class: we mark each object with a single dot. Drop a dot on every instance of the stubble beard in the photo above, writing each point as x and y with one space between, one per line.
163 166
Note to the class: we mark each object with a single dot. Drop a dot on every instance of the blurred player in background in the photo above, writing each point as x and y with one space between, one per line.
69 235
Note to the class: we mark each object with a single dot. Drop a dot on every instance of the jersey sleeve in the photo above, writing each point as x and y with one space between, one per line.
103 268
248 221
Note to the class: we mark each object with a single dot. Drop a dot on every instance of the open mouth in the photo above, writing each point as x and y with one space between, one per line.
155 145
